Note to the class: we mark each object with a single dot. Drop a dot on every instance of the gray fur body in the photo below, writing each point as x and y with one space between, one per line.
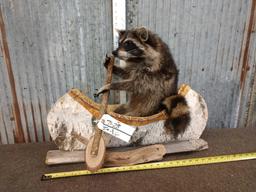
149 76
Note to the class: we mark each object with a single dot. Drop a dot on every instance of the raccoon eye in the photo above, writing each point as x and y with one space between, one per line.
129 45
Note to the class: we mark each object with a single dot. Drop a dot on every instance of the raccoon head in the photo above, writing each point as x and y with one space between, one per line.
139 45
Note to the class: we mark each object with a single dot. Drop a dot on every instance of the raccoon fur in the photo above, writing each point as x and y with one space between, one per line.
178 112
150 77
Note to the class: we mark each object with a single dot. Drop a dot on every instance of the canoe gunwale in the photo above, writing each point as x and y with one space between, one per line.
94 109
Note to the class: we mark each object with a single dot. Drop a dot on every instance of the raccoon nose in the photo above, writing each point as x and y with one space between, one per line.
114 53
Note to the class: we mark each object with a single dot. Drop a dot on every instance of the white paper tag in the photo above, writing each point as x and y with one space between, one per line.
116 128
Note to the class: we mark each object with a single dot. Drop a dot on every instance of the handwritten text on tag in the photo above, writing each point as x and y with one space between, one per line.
116 128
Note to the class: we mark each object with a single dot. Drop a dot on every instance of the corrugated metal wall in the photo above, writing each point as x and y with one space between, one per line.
56 45
247 112
208 40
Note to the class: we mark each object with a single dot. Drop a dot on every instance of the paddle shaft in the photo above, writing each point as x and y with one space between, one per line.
103 107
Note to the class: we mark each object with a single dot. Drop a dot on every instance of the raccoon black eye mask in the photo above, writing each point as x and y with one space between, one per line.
129 46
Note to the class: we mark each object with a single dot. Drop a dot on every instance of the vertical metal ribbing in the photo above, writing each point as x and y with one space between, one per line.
18 132
119 23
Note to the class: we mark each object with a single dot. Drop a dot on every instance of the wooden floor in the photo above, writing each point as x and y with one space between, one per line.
21 167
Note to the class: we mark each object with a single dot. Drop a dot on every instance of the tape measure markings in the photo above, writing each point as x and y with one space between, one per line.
156 165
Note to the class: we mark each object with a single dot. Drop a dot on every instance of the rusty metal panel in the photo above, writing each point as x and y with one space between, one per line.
7 124
206 39
251 119
54 46
247 110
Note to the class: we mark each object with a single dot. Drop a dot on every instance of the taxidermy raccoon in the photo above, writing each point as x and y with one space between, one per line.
150 76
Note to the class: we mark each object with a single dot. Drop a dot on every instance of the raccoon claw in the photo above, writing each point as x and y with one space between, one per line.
95 95
102 90
107 60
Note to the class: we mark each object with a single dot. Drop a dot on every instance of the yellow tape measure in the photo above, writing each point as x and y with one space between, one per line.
157 165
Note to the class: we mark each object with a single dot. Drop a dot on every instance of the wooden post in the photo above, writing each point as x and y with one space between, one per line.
18 132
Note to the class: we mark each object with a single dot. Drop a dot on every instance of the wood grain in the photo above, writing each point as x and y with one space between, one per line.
96 148
128 155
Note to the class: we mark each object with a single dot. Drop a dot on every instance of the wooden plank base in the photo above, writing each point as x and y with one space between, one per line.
128 155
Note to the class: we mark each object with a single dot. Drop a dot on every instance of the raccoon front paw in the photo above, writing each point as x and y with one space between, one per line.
102 90
107 61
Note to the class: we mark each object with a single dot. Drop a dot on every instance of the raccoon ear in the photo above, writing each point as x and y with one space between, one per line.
143 33
120 32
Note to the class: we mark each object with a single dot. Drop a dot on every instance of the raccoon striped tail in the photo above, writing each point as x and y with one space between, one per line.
178 113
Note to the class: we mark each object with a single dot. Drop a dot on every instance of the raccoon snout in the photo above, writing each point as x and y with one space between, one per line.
115 53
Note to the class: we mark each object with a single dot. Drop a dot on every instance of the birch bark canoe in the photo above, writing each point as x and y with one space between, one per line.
70 122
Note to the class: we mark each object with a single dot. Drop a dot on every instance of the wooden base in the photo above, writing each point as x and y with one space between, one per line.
135 156
128 155
95 161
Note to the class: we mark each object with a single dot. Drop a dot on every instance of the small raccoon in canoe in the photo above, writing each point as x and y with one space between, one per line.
150 76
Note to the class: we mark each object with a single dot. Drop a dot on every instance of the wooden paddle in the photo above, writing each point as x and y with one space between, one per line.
96 149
